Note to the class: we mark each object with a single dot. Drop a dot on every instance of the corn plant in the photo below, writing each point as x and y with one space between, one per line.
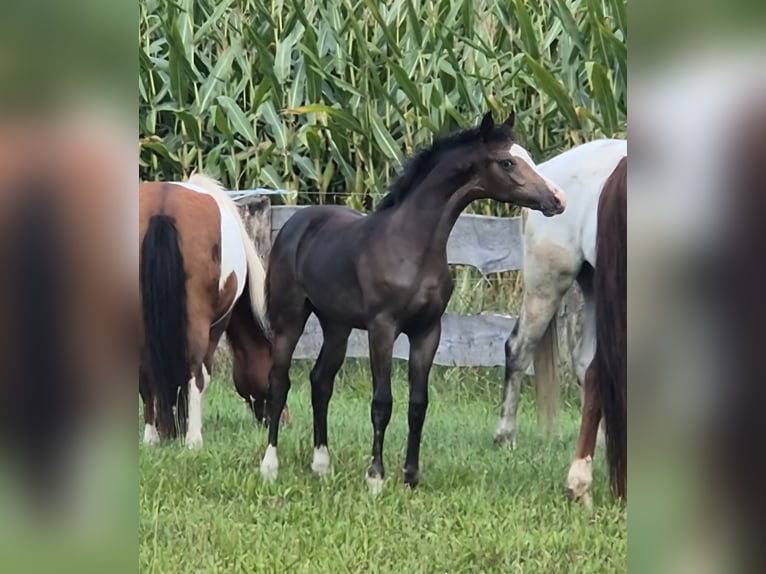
327 97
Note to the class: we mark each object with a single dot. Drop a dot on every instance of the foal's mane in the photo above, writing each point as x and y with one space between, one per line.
424 161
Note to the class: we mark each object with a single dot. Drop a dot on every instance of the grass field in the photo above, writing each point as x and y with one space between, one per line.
478 509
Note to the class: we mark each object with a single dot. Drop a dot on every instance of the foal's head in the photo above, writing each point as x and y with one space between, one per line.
507 173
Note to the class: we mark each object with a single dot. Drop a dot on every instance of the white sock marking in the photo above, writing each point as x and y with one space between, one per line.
194 427
151 436
320 465
580 479
270 464
375 484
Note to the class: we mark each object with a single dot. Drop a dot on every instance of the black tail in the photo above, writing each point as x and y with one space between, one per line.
39 395
163 294
611 289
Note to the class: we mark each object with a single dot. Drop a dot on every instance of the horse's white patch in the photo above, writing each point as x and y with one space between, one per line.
194 428
270 464
521 154
151 436
580 479
375 484
320 464
233 257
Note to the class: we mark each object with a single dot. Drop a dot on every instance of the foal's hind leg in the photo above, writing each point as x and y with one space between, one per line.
288 327
322 380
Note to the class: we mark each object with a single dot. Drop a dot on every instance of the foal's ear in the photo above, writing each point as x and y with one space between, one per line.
511 120
487 125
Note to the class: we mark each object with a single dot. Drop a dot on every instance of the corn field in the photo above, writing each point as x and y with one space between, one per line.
326 97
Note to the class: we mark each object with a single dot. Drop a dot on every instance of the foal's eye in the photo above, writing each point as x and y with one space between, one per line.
506 163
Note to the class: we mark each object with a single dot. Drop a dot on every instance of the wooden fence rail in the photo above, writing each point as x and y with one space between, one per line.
490 244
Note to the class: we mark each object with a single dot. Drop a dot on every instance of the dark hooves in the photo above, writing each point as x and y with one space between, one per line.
412 478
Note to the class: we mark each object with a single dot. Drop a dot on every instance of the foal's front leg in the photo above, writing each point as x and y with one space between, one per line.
381 339
422 350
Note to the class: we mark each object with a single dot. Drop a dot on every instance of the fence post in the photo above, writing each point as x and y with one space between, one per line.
256 213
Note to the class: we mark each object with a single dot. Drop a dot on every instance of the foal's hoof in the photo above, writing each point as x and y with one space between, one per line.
270 465
374 482
320 465
411 478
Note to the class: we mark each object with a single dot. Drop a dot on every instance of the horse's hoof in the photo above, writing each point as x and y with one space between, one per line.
151 436
374 482
270 465
321 465
585 497
412 478
194 442
505 438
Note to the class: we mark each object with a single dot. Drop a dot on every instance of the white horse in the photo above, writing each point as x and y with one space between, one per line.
557 251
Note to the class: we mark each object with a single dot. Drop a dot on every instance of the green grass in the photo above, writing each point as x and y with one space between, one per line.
478 509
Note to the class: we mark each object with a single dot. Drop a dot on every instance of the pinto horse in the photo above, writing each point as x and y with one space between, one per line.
606 380
200 276
557 252
386 273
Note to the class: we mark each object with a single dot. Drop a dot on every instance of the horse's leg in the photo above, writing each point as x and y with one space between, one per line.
587 346
287 331
587 349
198 384
538 310
580 477
216 332
381 338
328 364
422 351
151 436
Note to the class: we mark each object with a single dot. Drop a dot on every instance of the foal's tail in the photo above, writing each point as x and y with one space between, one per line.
546 361
610 281
163 293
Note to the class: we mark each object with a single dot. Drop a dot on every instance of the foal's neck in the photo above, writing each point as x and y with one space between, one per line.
434 208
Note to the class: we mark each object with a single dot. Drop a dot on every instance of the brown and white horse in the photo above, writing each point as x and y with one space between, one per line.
200 276
605 385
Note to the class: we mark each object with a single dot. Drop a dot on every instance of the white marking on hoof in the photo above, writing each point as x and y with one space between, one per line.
320 465
580 479
270 464
151 436
193 441
194 426
375 484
